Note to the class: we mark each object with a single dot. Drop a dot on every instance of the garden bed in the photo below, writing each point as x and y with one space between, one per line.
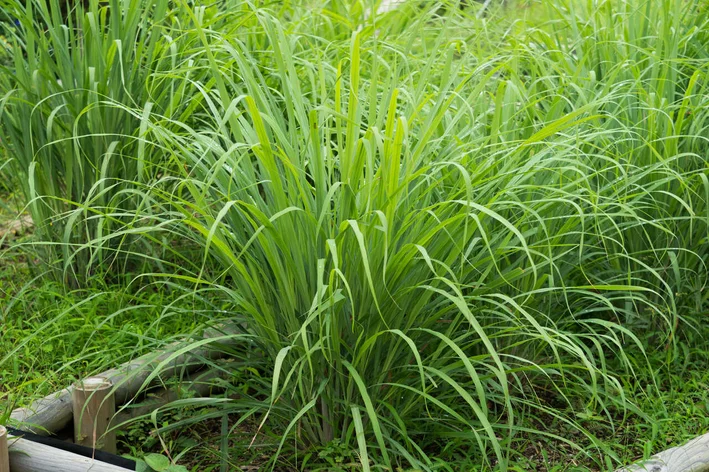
453 236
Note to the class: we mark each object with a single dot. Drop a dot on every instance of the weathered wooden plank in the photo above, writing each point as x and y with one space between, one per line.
54 412
4 455
28 456
690 457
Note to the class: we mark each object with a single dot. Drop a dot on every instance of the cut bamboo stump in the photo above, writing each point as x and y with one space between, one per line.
690 457
28 456
93 408
4 454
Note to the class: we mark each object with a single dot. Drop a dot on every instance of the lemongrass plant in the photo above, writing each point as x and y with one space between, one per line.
419 235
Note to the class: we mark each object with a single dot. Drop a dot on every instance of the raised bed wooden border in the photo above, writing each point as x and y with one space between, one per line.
54 412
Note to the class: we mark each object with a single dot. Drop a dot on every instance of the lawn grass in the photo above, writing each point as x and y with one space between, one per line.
458 242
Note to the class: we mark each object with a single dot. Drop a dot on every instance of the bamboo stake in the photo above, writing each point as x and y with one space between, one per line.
4 454
94 405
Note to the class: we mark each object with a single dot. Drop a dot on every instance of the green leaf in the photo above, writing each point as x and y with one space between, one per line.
176 468
157 462
141 466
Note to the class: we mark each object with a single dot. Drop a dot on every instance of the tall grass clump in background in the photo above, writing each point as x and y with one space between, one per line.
84 79
436 249
649 59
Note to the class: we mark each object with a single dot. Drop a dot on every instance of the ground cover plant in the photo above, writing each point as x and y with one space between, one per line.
439 232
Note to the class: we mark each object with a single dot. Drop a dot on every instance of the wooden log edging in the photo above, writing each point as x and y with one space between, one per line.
690 457
54 412
200 384
29 456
